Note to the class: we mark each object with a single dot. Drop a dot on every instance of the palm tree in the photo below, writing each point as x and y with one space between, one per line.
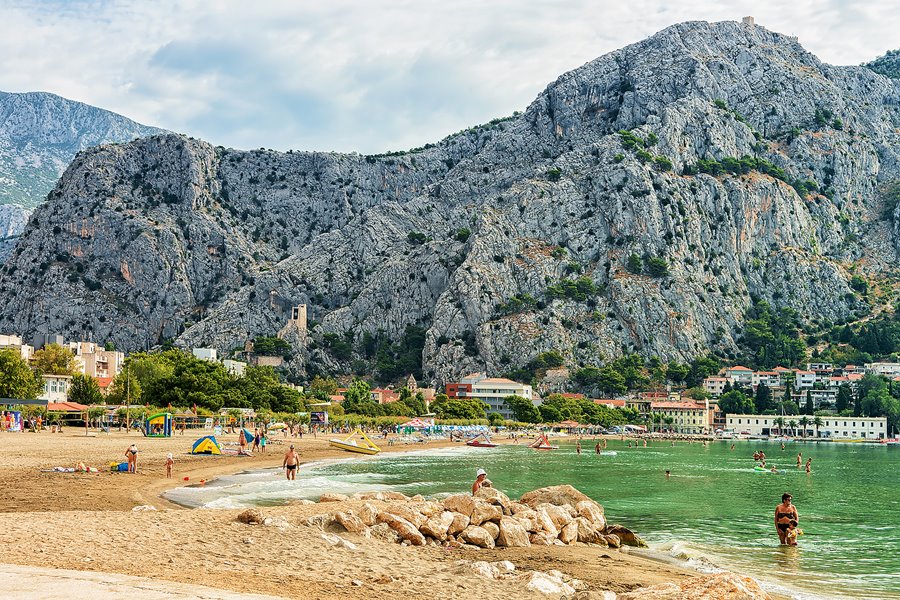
792 425
817 421
669 420
804 421
780 422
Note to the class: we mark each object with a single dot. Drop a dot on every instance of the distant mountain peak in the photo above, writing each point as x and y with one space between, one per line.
888 64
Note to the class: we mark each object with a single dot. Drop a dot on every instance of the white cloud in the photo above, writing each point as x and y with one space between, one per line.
360 75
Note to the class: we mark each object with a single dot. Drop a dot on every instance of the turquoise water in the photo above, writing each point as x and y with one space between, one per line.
714 509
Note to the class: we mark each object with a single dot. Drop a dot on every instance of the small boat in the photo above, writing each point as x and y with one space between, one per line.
362 446
542 443
482 440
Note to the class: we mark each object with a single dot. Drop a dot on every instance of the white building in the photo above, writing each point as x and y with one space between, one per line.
715 386
833 427
884 368
767 378
490 390
739 375
209 354
819 367
56 388
688 417
94 361
804 380
14 342
235 367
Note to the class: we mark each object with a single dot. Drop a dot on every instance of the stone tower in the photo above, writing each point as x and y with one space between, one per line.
748 21
298 317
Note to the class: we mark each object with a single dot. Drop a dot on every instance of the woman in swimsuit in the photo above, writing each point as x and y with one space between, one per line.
131 456
784 514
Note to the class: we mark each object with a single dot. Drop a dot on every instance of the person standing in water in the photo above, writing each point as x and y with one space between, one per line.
578 447
799 459
597 448
785 513
291 463
808 465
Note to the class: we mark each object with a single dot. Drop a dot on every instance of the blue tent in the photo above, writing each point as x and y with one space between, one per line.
248 436
206 445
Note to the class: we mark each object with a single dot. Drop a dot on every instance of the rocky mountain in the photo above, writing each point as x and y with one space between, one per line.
13 218
40 133
887 65
640 203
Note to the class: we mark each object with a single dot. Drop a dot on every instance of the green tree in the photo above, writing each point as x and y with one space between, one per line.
635 264
804 421
84 390
763 399
458 408
736 403
817 421
323 388
495 419
611 382
678 372
701 368
358 400
523 409
54 359
809 408
656 267
17 380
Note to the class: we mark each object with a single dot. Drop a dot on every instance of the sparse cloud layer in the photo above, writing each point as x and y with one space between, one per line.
365 75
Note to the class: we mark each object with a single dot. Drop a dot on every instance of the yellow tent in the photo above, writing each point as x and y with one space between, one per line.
206 445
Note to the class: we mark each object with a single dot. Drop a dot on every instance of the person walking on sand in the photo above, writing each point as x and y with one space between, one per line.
170 462
785 513
242 441
291 463
131 456
255 440
262 441
481 481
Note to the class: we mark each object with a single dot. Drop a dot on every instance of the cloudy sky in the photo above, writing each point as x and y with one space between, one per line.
366 75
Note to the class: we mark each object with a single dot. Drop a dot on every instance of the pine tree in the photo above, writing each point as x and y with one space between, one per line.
808 410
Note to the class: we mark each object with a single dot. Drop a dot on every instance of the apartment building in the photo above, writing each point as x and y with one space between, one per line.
490 390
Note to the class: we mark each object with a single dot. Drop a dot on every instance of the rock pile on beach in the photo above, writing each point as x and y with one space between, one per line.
557 515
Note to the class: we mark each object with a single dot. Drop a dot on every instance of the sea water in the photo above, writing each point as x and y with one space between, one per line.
714 511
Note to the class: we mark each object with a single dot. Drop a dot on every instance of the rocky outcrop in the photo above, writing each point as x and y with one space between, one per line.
462 519
721 586
13 218
462 245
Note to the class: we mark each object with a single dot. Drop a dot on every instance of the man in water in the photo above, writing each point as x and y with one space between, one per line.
668 473
578 447
808 465
291 463
785 513
799 459
597 448
481 481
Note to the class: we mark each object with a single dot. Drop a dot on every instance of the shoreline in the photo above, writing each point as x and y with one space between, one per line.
87 523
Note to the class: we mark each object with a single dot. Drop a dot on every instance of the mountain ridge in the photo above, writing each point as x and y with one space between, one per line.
725 152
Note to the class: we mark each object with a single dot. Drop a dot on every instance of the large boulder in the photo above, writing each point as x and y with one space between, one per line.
463 504
587 533
558 495
613 541
528 524
626 536
406 512
516 507
494 496
593 512
429 508
383 531
560 516
350 522
549 584
544 522
492 528
477 536
485 512
512 534
541 538
720 586
569 533
460 522
368 514
438 525
406 530
329 497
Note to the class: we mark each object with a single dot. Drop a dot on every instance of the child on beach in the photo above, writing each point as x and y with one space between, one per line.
262 442
170 462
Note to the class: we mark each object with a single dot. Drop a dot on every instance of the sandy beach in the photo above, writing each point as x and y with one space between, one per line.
85 522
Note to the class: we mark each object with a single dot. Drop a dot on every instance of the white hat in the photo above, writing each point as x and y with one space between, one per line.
169 455
480 472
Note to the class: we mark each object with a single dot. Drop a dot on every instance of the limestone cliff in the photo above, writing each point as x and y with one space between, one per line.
744 168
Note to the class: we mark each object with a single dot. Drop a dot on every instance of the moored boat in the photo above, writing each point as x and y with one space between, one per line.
482 440
361 446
